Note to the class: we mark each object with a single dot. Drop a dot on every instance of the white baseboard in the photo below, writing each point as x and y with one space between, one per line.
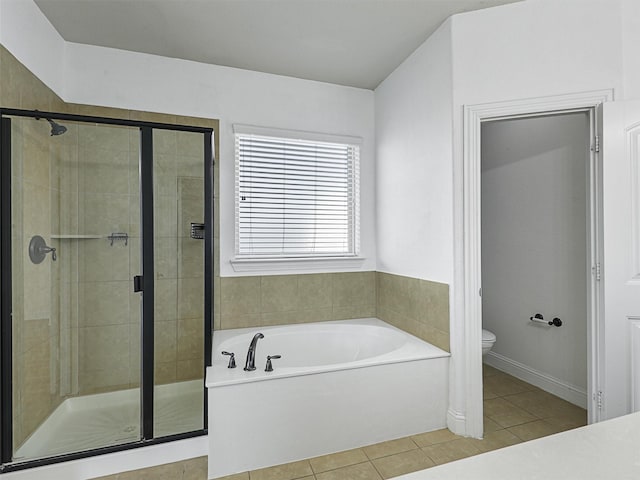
117 462
456 422
550 384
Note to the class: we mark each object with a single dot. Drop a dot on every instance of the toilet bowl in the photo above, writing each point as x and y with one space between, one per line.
488 339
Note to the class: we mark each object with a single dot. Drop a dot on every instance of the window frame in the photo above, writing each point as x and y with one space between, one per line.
321 262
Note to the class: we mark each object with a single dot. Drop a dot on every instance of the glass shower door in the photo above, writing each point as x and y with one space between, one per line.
75 321
178 187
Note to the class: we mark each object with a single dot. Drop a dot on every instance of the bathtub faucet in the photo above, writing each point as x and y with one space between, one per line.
250 364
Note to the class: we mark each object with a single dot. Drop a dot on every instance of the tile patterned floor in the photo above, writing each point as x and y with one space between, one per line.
514 412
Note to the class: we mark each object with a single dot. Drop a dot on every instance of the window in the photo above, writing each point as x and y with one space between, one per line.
296 198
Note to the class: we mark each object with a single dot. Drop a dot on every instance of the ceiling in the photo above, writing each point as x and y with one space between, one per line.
347 42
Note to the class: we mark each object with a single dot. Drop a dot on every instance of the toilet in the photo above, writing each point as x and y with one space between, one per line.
488 339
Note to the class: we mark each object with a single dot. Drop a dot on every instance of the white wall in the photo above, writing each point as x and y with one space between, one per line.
116 78
413 164
515 52
630 41
534 245
128 80
31 38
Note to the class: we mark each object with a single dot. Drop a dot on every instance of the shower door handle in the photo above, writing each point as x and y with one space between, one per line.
137 283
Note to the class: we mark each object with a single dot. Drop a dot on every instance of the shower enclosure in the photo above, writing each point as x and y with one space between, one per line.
106 255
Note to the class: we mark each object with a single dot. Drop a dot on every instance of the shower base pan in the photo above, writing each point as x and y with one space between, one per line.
105 419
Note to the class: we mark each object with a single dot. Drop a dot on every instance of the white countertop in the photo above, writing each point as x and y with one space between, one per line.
605 450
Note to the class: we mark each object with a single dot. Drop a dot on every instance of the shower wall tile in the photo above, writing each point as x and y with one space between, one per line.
102 262
166 257
104 380
190 369
190 338
104 303
166 298
282 299
165 142
103 137
89 183
104 213
417 306
104 347
190 297
190 145
165 341
165 372
104 171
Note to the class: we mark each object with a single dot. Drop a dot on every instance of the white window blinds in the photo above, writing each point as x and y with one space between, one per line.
295 198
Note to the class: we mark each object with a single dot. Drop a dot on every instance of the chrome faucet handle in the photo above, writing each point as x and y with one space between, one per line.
232 359
269 367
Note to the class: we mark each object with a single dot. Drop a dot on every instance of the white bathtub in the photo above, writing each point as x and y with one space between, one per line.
339 385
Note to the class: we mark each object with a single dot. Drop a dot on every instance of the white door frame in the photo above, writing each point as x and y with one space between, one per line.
468 306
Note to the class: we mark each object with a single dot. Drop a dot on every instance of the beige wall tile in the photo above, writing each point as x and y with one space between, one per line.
356 288
104 303
165 372
190 338
103 213
190 297
353 311
315 290
417 306
239 295
166 257
103 171
104 137
104 347
436 304
165 334
240 320
279 293
101 262
152 117
166 299
190 144
195 469
190 369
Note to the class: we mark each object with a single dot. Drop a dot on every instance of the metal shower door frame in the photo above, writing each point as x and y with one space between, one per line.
147 229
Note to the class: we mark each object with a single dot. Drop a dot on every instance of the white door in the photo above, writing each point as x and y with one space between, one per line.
620 384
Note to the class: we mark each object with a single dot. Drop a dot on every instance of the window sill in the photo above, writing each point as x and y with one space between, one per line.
321 264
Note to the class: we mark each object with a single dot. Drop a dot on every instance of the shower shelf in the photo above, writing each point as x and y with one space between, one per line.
78 237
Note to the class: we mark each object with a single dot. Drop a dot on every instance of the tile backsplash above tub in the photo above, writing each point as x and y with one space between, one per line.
419 307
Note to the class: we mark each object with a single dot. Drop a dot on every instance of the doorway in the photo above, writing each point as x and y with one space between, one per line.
535 251
466 411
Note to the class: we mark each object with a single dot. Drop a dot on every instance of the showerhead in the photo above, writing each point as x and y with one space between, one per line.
56 128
